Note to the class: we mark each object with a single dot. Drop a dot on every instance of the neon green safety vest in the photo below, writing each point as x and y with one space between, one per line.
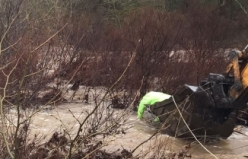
150 99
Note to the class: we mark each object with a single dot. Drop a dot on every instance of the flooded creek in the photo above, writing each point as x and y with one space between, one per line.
46 122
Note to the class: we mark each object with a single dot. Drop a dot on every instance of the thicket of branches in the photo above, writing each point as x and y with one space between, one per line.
92 42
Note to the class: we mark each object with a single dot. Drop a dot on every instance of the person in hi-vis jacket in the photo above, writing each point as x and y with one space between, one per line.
149 100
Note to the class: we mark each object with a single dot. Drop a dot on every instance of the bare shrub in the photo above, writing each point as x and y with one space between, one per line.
46 45
158 33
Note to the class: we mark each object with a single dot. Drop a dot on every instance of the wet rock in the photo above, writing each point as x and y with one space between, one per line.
116 103
75 86
86 98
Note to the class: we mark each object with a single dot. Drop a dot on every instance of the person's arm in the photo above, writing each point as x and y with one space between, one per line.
141 109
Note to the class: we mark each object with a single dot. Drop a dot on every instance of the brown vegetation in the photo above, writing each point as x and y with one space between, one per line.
130 51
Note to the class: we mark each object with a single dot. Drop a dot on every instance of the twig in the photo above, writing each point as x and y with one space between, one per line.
97 106
98 148
240 133
145 141
242 7
191 131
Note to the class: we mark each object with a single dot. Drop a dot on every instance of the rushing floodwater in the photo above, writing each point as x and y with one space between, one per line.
60 118
49 121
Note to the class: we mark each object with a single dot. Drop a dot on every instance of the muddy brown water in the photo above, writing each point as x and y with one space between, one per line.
60 118
46 122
